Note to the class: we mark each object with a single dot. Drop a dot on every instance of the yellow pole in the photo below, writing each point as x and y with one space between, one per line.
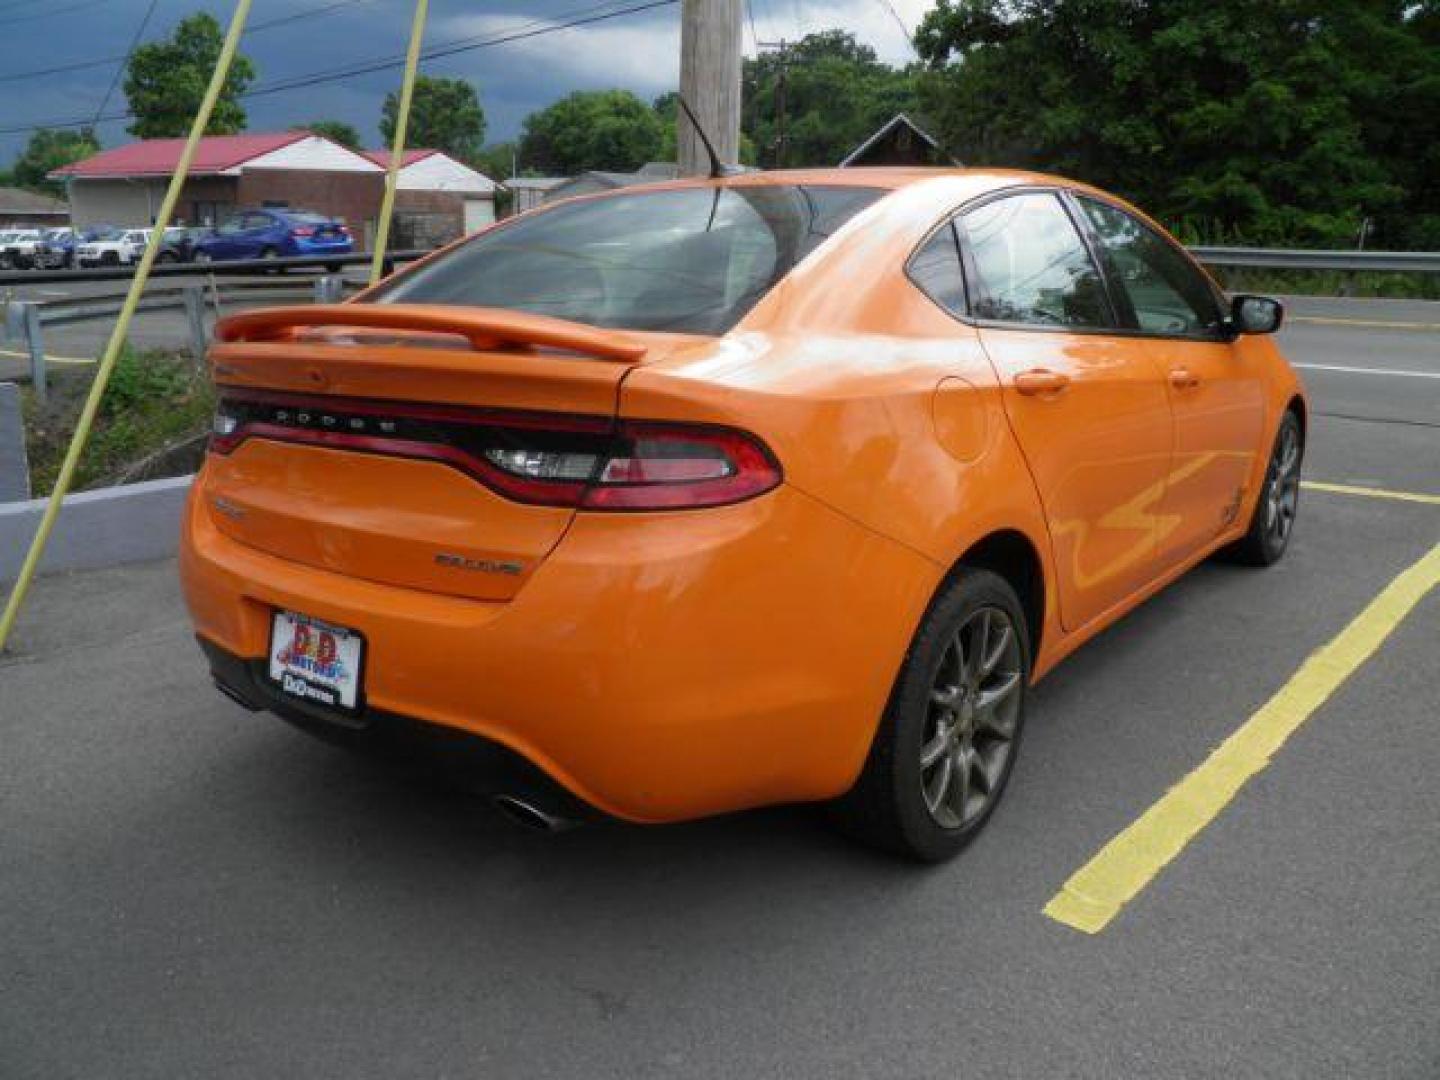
397 152
122 324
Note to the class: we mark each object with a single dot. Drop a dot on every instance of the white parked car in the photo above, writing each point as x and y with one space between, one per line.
17 247
118 247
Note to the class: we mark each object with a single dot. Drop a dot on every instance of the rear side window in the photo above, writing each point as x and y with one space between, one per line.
1168 295
935 267
692 260
1031 266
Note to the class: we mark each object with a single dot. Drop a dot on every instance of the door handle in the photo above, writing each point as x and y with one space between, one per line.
1041 381
1183 379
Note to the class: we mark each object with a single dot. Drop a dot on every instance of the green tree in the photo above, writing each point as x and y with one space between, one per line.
47 150
165 82
836 93
497 160
667 108
334 130
445 115
599 129
1261 121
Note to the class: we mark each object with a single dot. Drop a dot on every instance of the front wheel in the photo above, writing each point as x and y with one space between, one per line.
1274 518
946 745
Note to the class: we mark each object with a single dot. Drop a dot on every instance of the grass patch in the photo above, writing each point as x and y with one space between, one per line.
156 406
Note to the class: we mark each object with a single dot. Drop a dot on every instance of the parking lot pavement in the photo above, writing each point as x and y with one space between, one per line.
189 889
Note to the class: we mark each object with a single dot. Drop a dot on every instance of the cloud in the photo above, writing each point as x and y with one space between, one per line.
638 52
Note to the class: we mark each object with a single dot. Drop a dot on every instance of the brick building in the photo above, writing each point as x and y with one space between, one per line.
126 185
437 200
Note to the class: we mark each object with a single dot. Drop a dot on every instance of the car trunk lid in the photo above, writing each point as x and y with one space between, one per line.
362 437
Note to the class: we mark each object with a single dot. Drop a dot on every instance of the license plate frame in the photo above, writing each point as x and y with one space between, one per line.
317 663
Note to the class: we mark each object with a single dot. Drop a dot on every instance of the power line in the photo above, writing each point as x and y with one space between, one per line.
82 65
120 68
50 14
450 48
453 48
904 30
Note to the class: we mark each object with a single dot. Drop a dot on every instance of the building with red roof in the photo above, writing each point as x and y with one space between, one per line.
125 185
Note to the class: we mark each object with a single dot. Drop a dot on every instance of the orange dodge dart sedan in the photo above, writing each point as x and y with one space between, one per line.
770 488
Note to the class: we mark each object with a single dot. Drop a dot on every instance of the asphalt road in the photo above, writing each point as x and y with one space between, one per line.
187 889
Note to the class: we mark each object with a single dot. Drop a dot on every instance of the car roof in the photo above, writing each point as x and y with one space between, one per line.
893 177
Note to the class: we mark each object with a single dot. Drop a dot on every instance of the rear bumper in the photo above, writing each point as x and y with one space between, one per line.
323 247
477 763
659 667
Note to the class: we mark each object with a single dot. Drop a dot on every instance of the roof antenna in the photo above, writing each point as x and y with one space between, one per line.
717 167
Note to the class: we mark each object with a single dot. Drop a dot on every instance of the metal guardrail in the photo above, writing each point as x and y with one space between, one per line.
1408 262
190 269
27 319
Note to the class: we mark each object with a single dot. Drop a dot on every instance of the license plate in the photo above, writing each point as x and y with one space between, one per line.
316 661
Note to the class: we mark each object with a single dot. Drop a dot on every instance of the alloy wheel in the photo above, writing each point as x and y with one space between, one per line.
972 719
1282 493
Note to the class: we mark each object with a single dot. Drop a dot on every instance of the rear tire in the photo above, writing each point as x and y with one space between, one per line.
269 254
1273 520
946 745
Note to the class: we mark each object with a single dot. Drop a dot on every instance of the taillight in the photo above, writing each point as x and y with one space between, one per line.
547 459
302 230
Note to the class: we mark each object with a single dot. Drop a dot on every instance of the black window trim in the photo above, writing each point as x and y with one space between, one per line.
947 222
1066 196
1073 199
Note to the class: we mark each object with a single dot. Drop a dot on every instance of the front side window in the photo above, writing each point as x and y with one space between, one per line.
1031 265
690 260
1168 294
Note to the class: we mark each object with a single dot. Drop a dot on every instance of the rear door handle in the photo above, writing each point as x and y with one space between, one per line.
1041 381
1183 379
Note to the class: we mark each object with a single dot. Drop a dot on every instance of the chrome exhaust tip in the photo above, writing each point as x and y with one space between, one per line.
523 812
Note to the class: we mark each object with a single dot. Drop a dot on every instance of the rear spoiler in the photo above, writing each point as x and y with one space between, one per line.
484 328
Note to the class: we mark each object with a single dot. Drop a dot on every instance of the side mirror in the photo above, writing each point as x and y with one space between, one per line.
1255 314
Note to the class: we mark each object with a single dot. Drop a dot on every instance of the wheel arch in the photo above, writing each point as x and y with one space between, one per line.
1016 558
1296 404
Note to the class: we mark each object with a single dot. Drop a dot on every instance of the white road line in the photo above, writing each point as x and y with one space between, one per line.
1370 371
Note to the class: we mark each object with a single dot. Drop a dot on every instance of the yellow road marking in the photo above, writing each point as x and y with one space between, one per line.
1377 324
1097 892
1370 493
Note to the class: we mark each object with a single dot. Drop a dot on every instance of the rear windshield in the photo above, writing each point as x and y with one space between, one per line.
691 260
306 217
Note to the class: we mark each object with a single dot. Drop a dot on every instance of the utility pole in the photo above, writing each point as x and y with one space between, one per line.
781 49
709 82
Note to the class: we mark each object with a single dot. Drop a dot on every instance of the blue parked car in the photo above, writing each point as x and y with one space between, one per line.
273 234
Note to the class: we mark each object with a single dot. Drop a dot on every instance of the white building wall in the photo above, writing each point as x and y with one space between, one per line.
107 201
312 153
439 172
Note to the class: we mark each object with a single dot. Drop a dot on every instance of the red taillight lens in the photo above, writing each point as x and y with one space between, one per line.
655 466
549 459
302 230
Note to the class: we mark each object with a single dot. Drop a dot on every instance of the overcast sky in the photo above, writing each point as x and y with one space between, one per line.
638 52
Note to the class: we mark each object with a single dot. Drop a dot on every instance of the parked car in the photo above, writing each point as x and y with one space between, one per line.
17 248
178 244
54 249
114 247
273 234
763 489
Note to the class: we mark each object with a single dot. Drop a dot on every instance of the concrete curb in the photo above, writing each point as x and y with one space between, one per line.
131 523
